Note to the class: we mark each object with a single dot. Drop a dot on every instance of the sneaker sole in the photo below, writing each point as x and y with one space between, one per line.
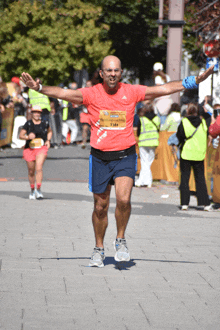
39 197
96 264
122 259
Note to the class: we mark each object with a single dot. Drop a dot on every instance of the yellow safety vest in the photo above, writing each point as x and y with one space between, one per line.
36 98
195 147
149 135
65 110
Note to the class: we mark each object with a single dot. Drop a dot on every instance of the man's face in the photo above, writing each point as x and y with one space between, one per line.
111 72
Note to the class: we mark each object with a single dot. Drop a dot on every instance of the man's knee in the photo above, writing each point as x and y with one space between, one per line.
100 210
123 202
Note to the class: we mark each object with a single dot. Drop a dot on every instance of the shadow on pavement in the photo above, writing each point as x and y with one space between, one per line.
124 265
155 209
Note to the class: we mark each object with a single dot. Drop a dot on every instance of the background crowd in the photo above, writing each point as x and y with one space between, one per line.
70 122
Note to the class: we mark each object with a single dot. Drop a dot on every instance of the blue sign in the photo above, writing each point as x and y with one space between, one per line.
212 61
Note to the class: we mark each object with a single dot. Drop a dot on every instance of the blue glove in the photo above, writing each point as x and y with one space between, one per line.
190 82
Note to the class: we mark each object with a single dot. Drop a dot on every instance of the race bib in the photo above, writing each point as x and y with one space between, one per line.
36 143
112 119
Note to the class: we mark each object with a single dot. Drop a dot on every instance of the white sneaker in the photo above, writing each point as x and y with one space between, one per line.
32 195
38 194
208 208
184 208
97 258
122 253
141 185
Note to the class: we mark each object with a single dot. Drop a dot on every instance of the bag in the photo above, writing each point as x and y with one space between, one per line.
36 143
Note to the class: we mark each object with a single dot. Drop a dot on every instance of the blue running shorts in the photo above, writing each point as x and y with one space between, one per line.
102 173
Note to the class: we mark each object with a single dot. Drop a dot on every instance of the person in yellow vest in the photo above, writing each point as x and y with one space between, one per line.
173 119
148 132
69 121
192 135
43 101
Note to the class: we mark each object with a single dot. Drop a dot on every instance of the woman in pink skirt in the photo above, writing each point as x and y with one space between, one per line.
37 134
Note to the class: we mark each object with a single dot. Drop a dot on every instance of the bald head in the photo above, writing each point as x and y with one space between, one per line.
110 60
111 73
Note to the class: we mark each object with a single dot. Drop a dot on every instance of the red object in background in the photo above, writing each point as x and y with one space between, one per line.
68 138
212 48
16 80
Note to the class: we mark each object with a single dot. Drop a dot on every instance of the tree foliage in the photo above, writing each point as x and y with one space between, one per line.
202 25
50 42
133 32
204 18
52 38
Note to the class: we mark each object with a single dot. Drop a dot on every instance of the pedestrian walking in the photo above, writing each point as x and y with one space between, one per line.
111 106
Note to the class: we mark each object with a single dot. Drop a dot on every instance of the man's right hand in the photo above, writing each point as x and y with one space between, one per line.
73 96
29 81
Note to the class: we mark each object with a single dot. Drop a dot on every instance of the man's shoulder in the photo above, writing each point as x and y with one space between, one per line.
130 86
92 88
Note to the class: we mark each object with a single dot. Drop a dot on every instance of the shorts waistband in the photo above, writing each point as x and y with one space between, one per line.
112 155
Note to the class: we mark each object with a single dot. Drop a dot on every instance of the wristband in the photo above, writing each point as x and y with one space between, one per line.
40 87
190 82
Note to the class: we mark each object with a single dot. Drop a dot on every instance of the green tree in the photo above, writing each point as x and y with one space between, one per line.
4 4
133 32
50 42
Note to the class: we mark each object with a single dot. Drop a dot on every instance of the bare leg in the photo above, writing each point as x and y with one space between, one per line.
31 172
123 188
40 159
100 215
85 130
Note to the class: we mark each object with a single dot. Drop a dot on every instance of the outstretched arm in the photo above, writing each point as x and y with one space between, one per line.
69 95
174 86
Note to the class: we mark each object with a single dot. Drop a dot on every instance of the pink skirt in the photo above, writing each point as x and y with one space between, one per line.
30 154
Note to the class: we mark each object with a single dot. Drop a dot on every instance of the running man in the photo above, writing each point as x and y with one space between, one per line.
111 107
